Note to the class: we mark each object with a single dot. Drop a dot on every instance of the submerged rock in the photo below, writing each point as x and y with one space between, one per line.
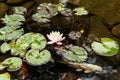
15 1
116 31
3 9
98 28
107 9
28 4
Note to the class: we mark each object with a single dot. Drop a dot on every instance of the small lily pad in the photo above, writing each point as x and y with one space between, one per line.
13 63
13 20
80 11
33 57
12 36
2 66
5 76
5 47
75 54
107 47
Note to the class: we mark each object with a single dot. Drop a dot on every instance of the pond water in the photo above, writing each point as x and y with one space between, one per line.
60 71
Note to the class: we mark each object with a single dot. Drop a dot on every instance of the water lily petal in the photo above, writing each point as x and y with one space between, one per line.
59 43
50 42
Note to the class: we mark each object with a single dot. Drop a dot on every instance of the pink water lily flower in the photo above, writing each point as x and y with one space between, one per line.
55 37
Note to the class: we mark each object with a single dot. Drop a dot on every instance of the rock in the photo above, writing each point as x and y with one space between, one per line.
28 4
98 28
107 9
14 1
46 1
2 0
3 9
116 31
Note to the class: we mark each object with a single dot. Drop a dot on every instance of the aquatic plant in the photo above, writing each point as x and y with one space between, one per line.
44 12
36 58
41 17
55 37
80 11
12 64
10 33
107 47
19 10
63 10
13 20
75 54
5 76
36 55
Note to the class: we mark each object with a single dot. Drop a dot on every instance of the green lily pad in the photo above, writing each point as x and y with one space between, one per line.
107 47
75 54
13 20
8 29
12 36
13 63
80 11
41 18
36 58
5 47
5 76
2 66
19 10
28 40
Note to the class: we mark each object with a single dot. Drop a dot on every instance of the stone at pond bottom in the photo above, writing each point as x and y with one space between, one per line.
116 31
3 9
28 4
109 10
14 1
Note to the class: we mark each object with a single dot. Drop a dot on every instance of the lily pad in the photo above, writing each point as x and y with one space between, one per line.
13 20
41 18
2 66
107 47
5 47
5 76
13 63
75 54
28 40
8 29
12 36
19 10
33 57
80 11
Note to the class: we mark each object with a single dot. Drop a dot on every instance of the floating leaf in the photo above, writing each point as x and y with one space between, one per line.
48 9
28 40
35 58
8 29
75 53
5 47
13 63
5 76
44 12
20 10
107 47
12 36
80 11
60 7
42 18
2 66
13 20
